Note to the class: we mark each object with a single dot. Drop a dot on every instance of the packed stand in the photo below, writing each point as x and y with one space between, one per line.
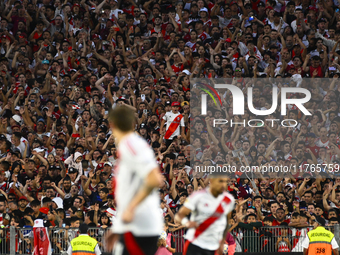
65 64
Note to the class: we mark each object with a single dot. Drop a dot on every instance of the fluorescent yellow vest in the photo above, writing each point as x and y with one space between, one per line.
83 245
320 241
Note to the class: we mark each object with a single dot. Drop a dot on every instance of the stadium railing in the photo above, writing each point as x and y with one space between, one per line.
21 240
274 238
264 239
179 239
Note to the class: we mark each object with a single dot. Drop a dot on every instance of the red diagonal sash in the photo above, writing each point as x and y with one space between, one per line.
208 222
173 126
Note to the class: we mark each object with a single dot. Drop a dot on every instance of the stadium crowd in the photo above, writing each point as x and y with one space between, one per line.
64 64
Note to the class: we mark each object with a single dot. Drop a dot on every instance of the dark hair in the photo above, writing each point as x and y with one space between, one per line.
303 215
295 214
100 219
46 200
67 178
334 219
318 193
122 118
251 214
105 190
268 218
61 210
28 210
319 206
281 193
17 135
274 202
90 214
40 22
308 192
16 218
256 197
83 228
333 210
74 219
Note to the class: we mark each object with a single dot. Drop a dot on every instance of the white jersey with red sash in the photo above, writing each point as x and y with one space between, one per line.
210 213
173 123
135 161
3 186
298 236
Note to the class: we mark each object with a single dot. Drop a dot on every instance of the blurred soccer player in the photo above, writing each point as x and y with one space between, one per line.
209 210
138 222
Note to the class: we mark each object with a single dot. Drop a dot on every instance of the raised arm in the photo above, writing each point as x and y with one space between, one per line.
60 192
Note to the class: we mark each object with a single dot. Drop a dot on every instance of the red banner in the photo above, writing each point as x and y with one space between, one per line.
42 245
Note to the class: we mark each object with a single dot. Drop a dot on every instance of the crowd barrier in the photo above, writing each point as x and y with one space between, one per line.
264 239
21 240
274 239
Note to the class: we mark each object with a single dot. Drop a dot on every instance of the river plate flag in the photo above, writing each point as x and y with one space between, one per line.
42 244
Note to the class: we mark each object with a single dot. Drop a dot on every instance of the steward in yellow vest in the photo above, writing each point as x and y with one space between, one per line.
320 241
83 244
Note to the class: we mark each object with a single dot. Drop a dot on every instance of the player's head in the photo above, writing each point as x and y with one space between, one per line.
122 119
218 184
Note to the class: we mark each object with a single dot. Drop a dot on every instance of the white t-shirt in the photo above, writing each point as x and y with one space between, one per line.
203 205
21 146
115 13
135 161
169 117
320 144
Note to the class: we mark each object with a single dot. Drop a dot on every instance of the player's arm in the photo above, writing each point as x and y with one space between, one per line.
153 180
229 217
182 214
181 218
226 230
336 251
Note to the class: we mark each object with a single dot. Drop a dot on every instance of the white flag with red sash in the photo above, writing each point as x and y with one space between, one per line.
42 244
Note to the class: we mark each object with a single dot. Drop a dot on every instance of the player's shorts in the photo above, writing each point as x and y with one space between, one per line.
191 249
129 244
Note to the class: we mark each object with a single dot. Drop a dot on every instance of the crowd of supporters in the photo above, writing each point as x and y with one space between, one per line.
64 64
